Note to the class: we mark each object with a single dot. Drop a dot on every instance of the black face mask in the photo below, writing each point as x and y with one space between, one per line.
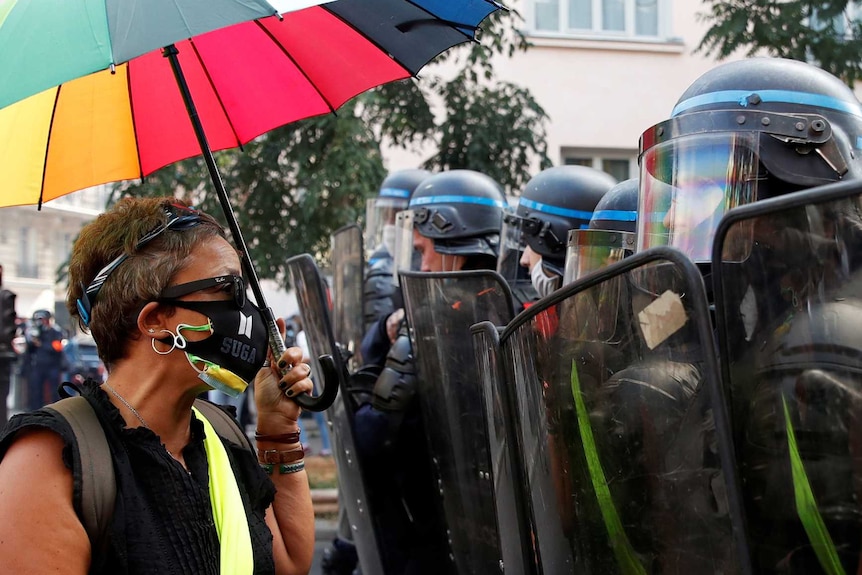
235 350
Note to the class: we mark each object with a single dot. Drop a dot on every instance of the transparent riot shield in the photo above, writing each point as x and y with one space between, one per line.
510 498
440 309
509 262
615 383
788 289
311 297
348 265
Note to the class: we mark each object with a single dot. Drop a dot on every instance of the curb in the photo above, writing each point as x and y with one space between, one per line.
324 500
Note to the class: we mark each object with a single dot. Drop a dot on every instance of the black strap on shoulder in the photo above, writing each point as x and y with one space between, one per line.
225 425
98 483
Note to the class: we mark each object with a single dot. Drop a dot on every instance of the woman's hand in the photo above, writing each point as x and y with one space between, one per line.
276 412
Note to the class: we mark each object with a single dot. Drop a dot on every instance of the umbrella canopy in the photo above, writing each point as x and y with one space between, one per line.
44 43
129 120
216 90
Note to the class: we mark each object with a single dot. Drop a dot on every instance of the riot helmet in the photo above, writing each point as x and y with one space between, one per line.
742 132
461 211
555 201
380 211
610 235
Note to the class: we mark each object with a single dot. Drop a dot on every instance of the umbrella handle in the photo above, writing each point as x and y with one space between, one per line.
327 364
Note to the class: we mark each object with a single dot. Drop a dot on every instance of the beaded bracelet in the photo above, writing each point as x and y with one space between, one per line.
284 468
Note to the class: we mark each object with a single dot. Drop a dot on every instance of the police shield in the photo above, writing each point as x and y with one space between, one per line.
615 383
441 308
348 264
313 306
789 309
510 498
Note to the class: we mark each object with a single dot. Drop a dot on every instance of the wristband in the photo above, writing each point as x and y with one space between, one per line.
292 437
274 456
284 468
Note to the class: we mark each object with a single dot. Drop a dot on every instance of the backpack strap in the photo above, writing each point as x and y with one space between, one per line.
225 425
98 483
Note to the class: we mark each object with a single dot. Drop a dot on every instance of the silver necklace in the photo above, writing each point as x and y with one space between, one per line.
127 404
136 414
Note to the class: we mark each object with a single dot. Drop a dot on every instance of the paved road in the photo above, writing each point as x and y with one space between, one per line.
324 533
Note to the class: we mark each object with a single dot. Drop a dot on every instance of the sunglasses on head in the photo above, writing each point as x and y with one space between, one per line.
179 218
231 283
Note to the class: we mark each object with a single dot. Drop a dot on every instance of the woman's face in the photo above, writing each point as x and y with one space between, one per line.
215 257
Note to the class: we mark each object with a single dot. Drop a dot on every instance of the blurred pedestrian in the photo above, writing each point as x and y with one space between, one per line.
7 352
45 359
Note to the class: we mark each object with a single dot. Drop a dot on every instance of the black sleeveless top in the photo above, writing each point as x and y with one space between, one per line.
163 522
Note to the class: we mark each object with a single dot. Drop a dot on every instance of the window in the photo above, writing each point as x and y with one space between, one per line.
627 18
27 265
620 165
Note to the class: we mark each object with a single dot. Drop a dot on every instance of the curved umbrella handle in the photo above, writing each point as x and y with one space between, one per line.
327 364
330 387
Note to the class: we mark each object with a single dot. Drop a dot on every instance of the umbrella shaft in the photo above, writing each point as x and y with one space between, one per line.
275 341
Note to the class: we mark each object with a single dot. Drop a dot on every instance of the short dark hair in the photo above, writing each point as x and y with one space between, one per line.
140 278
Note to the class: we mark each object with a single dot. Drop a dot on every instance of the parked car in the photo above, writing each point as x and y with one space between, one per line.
82 359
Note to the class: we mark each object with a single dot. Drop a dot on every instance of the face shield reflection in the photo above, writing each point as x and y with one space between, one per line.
686 186
403 254
380 224
511 247
591 250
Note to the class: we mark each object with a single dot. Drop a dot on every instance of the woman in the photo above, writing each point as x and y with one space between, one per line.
159 287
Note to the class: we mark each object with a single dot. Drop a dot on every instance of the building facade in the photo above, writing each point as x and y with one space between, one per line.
604 71
35 246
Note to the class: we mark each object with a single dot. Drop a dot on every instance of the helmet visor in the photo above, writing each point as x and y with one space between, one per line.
591 250
688 183
380 223
403 255
511 248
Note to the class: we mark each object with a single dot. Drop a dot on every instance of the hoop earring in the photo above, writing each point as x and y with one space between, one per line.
173 344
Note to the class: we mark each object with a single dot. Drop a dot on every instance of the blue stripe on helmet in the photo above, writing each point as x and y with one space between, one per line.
740 97
394 193
554 210
424 201
616 215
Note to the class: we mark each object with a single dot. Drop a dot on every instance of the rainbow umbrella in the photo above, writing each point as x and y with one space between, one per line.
44 43
213 91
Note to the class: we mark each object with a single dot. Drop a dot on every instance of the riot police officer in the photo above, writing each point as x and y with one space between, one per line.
610 235
745 132
380 298
553 202
456 226
379 289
